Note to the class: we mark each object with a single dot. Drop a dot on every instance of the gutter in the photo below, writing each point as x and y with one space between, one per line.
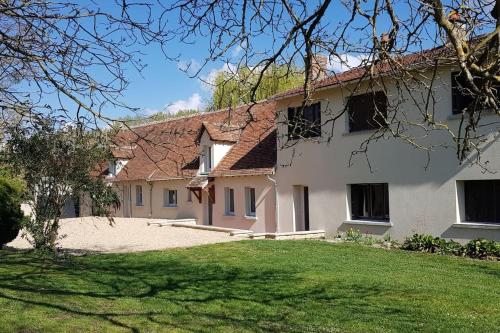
276 211
150 183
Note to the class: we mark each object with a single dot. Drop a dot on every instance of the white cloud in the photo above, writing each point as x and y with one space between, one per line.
194 102
207 81
344 62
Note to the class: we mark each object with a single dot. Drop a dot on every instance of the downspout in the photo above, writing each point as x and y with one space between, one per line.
150 183
129 187
150 198
276 211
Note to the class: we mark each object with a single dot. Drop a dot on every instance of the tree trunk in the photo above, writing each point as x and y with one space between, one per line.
53 232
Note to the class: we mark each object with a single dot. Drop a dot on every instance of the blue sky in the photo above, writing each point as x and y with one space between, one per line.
163 86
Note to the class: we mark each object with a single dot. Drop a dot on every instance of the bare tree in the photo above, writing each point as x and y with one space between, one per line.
75 51
79 52
380 34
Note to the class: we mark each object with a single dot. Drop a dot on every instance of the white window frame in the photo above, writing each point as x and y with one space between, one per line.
139 200
248 202
166 197
228 196
207 159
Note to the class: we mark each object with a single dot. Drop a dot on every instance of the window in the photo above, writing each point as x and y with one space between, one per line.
169 198
482 201
189 198
112 168
229 200
370 202
461 96
250 201
207 159
138 195
304 122
367 111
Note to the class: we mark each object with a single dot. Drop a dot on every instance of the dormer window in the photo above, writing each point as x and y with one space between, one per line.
112 168
207 159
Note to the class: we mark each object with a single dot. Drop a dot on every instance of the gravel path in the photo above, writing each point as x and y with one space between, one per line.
126 235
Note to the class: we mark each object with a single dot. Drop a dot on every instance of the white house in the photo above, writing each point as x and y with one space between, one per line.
230 169
394 189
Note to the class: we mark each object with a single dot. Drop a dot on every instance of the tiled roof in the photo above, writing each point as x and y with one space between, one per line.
220 132
168 149
198 182
413 60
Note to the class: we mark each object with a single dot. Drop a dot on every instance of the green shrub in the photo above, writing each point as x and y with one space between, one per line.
482 248
477 248
11 215
453 248
424 243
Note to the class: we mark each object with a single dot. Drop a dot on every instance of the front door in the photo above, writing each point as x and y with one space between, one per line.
210 211
126 201
306 208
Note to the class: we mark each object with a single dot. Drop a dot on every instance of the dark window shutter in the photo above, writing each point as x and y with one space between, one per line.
292 131
367 111
461 98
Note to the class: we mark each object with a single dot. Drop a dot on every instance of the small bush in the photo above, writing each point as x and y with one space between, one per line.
11 215
482 248
477 248
423 243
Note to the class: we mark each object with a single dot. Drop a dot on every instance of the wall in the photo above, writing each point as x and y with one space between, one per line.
265 204
219 149
152 198
264 192
422 191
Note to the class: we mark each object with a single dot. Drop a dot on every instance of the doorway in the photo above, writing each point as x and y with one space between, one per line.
210 211
301 207
208 208
126 201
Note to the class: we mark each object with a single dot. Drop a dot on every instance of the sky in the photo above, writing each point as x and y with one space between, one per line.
164 86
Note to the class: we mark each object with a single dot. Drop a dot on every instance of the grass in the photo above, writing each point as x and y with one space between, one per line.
277 286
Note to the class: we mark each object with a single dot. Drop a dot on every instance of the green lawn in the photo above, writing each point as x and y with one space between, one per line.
296 286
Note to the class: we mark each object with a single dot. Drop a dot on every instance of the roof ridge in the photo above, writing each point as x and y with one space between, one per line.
201 114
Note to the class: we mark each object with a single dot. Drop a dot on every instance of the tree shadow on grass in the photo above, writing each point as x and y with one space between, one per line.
176 292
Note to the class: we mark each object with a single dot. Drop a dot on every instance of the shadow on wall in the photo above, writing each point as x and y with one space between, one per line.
465 233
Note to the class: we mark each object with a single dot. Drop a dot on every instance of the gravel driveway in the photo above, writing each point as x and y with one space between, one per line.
126 235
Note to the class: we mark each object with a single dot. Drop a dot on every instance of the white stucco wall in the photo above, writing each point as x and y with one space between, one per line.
219 150
421 199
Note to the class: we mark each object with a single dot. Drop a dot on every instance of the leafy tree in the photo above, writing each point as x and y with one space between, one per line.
58 164
232 89
11 215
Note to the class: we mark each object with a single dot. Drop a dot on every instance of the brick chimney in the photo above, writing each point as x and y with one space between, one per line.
459 25
319 67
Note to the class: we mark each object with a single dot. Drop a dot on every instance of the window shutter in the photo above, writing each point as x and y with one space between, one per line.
292 125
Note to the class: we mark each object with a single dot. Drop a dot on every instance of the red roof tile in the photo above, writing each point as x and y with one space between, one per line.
413 60
220 132
168 149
